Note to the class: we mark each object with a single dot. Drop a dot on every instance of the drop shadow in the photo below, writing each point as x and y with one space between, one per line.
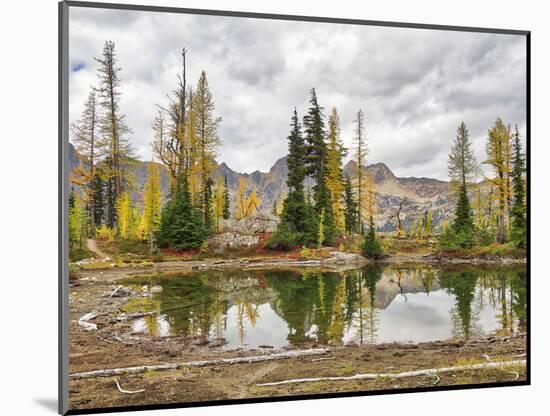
48 404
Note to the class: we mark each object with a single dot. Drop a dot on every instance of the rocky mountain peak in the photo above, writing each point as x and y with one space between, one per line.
416 194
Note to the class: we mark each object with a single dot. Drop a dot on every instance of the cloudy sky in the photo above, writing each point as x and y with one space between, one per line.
414 85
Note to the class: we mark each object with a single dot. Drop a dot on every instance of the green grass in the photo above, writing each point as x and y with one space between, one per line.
78 254
492 250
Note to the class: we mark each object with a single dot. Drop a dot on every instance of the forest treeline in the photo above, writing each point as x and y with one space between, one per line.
185 141
501 214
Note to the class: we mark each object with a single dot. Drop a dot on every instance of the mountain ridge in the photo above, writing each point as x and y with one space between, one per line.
415 194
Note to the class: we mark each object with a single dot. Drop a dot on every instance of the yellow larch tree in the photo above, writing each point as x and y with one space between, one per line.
241 198
360 156
124 215
206 127
498 155
369 196
152 203
281 203
253 204
219 203
335 184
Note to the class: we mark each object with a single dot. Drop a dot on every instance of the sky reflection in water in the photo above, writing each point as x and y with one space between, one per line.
252 308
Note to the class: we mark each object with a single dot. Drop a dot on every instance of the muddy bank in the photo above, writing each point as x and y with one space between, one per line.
221 382
114 345
439 259
336 261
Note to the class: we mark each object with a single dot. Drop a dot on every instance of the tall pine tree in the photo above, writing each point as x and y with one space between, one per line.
334 180
351 214
316 162
360 156
181 227
294 211
463 168
519 221
226 200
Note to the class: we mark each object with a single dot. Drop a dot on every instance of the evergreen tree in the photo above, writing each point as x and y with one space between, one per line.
109 193
78 222
294 211
181 227
99 200
226 201
463 169
463 224
316 162
371 246
207 206
350 208
519 222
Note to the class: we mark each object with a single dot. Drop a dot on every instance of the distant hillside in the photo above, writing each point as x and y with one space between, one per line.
417 194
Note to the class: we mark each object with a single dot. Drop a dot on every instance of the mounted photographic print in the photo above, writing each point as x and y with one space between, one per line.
264 207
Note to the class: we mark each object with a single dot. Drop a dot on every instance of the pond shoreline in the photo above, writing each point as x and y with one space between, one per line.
111 347
337 261
98 297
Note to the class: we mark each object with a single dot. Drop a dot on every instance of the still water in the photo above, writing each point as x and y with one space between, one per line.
374 304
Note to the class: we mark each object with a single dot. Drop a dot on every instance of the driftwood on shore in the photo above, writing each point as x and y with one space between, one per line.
416 373
203 363
120 389
83 321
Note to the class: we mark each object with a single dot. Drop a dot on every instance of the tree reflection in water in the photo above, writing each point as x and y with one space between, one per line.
366 305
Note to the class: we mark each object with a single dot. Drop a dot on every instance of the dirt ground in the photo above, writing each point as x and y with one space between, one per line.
113 346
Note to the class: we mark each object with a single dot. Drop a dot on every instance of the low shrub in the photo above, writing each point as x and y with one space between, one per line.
283 240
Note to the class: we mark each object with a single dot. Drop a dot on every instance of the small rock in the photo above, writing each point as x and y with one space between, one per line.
220 342
88 316
200 341
156 289
123 292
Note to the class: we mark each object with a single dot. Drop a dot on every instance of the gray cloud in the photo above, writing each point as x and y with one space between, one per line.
415 86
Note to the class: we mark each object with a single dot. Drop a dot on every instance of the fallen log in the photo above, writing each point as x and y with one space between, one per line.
425 372
203 363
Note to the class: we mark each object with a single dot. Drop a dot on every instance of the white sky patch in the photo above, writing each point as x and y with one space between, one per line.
415 86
